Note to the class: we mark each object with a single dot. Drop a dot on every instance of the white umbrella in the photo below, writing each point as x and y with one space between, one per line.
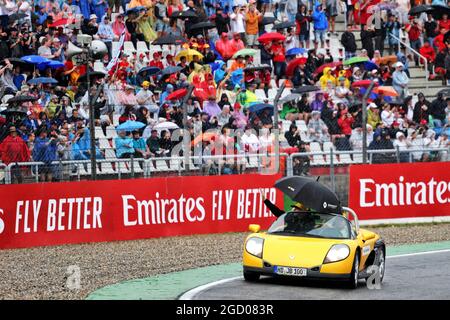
167 125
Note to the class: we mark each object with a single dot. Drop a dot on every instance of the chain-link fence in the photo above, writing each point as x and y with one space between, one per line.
332 166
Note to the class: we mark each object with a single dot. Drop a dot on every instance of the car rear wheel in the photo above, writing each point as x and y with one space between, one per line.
353 281
251 276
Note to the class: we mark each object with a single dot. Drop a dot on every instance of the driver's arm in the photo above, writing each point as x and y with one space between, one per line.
273 208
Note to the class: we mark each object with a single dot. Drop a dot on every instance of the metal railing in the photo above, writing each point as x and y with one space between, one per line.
421 57
113 168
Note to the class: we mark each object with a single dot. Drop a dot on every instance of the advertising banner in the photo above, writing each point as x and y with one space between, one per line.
403 190
92 211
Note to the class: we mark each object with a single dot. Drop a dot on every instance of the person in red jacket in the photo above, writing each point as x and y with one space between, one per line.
428 52
345 122
444 23
13 149
439 41
223 46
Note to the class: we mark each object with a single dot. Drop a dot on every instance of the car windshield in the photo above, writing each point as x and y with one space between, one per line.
309 224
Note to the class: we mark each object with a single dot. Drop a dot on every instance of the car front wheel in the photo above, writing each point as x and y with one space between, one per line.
353 281
251 276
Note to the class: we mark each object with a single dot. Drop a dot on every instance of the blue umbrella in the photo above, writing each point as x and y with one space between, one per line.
55 64
130 125
35 59
258 107
372 95
43 80
51 64
149 71
295 51
369 66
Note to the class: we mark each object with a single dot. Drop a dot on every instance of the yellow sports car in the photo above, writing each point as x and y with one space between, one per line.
323 241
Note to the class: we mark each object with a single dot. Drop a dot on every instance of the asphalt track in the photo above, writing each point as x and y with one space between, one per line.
424 275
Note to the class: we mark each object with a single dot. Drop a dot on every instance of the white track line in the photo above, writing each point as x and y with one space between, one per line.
189 295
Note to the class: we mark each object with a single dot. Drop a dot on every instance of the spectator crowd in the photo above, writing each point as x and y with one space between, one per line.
235 54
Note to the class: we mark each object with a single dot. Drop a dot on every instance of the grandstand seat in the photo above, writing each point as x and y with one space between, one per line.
272 93
99 133
327 147
345 158
286 92
301 124
317 159
273 83
128 47
252 161
285 126
104 143
141 46
115 45
111 132
260 94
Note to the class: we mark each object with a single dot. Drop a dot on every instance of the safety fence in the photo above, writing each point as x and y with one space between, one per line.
331 165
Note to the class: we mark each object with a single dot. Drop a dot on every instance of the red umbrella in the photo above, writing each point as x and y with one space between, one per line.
386 91
362 83
294 64
328 65
271 36
58 23
177 94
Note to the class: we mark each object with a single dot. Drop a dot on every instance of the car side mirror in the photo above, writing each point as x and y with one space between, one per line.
368 236
254 228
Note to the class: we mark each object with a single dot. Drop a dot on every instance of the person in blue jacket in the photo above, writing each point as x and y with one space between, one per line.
320 22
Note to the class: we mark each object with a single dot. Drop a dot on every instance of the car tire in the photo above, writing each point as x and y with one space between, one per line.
251 276
353 281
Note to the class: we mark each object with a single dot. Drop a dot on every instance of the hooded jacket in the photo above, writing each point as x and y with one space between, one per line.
327 77
319 18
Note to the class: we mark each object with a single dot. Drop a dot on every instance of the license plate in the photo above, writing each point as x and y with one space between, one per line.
290 271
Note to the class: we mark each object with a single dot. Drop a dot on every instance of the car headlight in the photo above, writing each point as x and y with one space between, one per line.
254 246
337 252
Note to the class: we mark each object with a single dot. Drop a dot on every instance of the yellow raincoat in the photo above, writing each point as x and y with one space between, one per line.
327 76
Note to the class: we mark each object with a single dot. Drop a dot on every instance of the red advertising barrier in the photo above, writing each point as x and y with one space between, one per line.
75 212
404 190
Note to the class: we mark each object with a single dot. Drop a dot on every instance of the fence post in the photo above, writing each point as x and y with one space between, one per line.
289 168
398 154
8 174
37 173
333 182
132 166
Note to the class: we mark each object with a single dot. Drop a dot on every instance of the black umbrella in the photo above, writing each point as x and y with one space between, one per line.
291 97
397 102
170 70
305 89
267 20
92 75
21 99
169 39
439 11
203 25
445 92
183 14
284 25
310 193
17 62
16 16
15 112
417 10
258 68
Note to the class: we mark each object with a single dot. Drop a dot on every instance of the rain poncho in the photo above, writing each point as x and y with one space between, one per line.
105 31
327 76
